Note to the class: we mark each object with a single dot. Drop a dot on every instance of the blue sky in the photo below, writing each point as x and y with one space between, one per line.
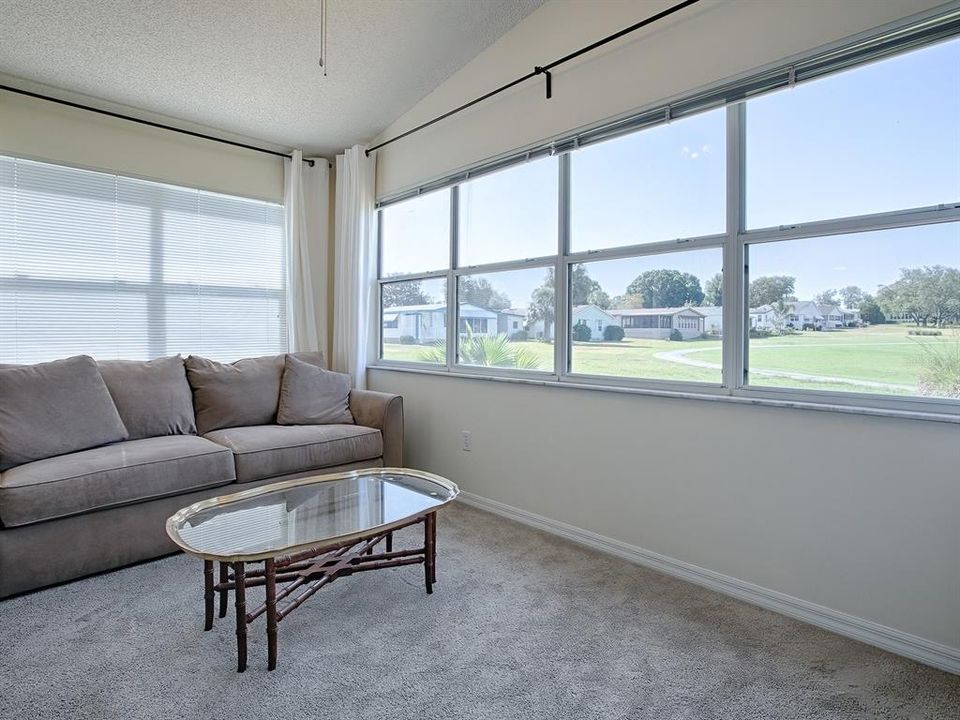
885 136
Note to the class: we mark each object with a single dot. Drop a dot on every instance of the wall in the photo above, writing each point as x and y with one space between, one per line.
853 513
46 131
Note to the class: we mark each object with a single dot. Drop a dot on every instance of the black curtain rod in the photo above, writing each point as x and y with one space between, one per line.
150 123
542 70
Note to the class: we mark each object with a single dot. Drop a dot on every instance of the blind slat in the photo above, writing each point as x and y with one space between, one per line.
116 267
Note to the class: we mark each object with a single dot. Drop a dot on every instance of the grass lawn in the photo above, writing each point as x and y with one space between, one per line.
880 354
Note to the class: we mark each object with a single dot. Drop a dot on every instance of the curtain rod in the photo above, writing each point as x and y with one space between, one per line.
150 123
542 70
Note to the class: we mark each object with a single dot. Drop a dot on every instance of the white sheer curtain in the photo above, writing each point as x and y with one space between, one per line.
354 308
306 217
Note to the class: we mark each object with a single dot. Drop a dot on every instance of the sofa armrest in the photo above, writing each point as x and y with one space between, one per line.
384 412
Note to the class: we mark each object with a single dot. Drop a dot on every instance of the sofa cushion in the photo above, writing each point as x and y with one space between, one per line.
55 408
310 395
243 393
153 397
120 474
266 451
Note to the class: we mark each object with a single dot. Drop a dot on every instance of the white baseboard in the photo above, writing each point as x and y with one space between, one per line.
916 648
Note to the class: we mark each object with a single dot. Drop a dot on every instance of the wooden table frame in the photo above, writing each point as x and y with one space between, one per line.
308 571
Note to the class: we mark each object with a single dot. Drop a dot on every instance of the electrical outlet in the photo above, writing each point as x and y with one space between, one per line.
467 441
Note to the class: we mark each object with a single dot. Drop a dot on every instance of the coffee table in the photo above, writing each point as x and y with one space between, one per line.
307 533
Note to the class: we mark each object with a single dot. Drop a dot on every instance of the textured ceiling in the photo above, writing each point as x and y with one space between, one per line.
249 67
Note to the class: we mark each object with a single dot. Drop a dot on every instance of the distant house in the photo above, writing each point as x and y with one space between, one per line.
511 320
428 323
805 315
712 318
660 322
595 318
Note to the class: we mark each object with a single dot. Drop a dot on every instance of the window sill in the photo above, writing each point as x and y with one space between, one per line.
720 395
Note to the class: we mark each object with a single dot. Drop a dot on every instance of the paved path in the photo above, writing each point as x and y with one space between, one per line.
683 357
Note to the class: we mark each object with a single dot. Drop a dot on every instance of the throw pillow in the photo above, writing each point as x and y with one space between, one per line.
237 394
153 397
310 395
55 408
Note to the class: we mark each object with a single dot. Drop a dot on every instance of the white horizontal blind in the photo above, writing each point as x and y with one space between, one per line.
115 267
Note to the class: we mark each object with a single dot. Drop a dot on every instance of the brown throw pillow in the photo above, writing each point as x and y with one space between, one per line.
310 395
55 408
152 396
238 394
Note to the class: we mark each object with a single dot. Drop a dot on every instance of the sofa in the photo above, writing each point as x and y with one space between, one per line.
95 456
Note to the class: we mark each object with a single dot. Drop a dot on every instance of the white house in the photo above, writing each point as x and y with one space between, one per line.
712 318
805 315
660 322
595 318
511 320
763 318
428 323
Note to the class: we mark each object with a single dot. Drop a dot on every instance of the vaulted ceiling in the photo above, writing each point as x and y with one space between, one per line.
250 67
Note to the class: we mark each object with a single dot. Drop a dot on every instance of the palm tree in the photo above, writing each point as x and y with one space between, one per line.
486 351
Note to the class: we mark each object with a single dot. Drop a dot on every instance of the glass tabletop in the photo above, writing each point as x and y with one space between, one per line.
308 512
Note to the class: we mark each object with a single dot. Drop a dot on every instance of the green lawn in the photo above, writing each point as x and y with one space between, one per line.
883 354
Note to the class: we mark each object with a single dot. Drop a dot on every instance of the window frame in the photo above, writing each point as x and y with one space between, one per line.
734 244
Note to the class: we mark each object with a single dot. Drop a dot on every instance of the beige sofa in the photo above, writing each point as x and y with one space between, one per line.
84 512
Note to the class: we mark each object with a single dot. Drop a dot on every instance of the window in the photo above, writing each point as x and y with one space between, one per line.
116 267
509 215
663 183
414 317
830 274
655 299
878 138
485 302
415 235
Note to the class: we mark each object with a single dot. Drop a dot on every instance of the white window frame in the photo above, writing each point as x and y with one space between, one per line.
734 243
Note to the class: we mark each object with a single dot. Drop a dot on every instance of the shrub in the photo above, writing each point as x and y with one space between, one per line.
613 333
520 336
939 374
581 333
676 335
408 340
924 332
759 333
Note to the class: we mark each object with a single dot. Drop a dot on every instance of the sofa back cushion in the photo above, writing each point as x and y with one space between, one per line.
153 396
237 394
55 408
310 395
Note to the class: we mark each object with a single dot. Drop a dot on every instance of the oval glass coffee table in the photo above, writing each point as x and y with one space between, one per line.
307 533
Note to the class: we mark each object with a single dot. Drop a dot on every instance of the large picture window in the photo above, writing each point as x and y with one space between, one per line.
797 245
114 267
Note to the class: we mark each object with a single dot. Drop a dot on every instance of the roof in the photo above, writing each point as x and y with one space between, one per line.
519 312
655 311
592 307
466 310
710 310
762 309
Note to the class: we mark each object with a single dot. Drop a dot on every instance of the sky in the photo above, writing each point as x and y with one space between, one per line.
881 137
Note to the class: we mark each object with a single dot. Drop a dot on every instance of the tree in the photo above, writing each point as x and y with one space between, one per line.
852 296
599 298
584 290
827 297
666 288
768 289
541 308
713 290
627 302
478 291
404 293
870 311
923 294
582 286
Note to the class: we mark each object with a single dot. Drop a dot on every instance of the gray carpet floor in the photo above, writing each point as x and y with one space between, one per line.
521 625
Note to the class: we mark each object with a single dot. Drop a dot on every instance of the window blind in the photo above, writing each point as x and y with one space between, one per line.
115 267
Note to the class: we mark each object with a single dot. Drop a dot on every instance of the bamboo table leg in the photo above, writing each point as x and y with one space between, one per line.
389 542
270 573
429 546
224 594
207 594
240 601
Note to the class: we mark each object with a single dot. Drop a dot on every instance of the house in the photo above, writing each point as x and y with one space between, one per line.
763 318
832 316
660 322
427 323
512 321
805 315
712 319
595 318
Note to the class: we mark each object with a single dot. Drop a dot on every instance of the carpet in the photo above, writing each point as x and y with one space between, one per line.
521 625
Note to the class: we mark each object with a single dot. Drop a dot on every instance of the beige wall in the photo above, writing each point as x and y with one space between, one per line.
855 513
708 42
45 131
